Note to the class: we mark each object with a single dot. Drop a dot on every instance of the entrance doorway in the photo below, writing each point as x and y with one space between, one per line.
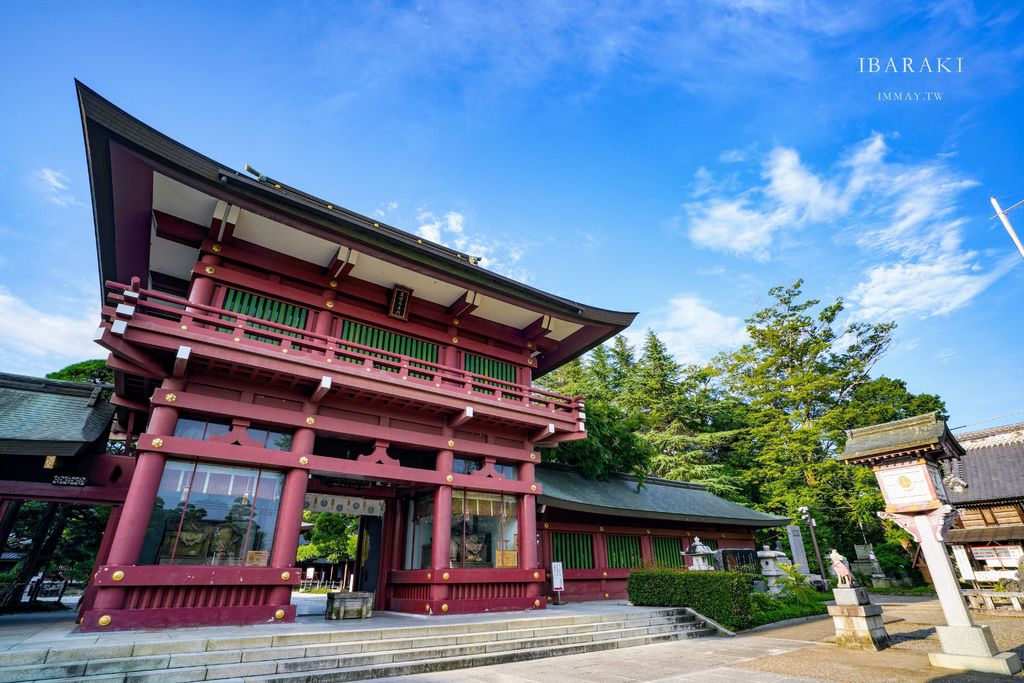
342 542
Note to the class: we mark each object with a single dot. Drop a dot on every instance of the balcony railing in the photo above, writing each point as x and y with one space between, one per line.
135 303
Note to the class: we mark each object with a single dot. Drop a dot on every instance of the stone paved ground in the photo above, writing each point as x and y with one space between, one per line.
801 652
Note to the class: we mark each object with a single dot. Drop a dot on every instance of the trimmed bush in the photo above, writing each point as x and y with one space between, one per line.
722 596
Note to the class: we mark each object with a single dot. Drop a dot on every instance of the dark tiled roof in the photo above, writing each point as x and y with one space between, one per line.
48 417
566 488
992 466
923 433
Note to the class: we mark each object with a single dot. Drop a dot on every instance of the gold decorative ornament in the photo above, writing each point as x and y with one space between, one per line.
216 248
330 360
303 460
604 574
533 487
237 339
210 270
157 442
451 443
329 304
284 350
310 420
549 598
455 322
285 576
170 398
429 576
536 603
279 614
449 479
330 206
333 283
605 596
536 575
104 620
444 607
426 608
600 528
648 531
529 361
118 575
184 327
445 576
277 186
546 525
904 482
376 225
455 340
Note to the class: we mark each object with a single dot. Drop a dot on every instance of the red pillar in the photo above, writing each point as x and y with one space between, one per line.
138 504
441 541
201 291
102 553
289 515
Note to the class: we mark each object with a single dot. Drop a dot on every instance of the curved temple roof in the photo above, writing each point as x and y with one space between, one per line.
50 417
566 488
128 161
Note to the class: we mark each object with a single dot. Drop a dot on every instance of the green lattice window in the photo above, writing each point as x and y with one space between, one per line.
574 551
392 343
488 367
271 310
668 552
623 552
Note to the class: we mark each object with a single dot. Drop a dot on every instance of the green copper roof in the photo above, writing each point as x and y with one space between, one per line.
921 433
566 488
47 417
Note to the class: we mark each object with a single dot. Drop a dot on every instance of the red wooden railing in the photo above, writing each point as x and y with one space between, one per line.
152 306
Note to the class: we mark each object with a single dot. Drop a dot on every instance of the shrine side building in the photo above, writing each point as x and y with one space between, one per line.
275 352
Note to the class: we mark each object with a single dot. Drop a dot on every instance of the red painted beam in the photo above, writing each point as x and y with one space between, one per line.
195 575
178 229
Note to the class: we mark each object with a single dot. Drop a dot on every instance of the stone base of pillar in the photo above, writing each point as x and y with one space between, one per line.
974 649
858 623
1007 663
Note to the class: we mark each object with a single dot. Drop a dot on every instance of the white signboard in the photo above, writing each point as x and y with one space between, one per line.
907 486
999 556
557 579
344 505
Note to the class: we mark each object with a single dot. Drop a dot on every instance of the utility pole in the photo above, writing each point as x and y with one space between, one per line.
1006 222
805 513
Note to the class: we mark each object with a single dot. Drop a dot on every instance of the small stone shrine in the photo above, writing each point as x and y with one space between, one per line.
858 622
771 571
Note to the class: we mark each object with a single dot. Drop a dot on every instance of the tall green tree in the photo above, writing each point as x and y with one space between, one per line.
796 375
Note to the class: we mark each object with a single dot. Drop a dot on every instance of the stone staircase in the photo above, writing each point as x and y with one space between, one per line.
347 655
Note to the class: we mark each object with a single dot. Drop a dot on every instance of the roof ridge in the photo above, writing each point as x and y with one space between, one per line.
979 434
30 383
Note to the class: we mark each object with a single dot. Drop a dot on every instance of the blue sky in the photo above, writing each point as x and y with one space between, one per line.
673 159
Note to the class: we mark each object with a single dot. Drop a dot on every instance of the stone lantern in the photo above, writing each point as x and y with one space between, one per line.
905 456
701 555
771 571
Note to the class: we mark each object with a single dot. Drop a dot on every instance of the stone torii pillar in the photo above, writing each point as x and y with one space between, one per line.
905 457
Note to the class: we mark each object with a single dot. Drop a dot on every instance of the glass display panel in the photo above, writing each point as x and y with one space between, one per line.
208 514
421 536
485 530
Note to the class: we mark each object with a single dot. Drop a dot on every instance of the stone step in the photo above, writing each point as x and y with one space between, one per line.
387 670
255 648
270 657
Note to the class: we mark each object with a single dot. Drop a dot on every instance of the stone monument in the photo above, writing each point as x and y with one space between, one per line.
905 457
858 623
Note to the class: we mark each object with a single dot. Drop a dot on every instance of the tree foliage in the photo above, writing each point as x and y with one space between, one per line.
95 371
760 424
333 537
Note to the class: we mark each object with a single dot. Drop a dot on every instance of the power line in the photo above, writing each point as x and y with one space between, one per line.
991 419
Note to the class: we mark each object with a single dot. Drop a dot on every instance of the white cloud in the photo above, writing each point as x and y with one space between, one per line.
693 331
903 216
54 187
732 156
449 229
730 226
38 341
385 210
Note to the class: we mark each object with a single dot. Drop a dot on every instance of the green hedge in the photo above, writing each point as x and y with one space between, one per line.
722 596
